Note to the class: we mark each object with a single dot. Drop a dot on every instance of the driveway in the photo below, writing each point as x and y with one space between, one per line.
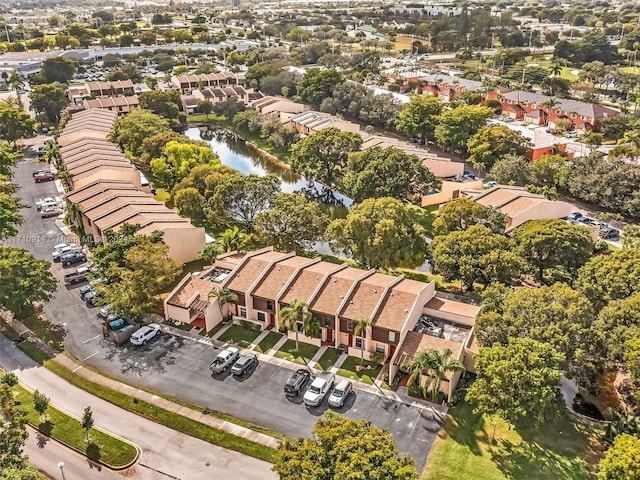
179 366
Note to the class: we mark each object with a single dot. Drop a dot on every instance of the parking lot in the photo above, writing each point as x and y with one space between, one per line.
179 366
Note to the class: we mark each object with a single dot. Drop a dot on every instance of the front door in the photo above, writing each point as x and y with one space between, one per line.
329 335
350 340
272 320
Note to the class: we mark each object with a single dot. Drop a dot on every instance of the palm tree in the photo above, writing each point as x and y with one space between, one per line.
435 365
224 296
232 239
65 177
556 69
360 330
293 315
16 82
311 327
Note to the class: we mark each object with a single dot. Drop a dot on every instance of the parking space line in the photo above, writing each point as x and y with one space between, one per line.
87 341
76 369
198 357
90 356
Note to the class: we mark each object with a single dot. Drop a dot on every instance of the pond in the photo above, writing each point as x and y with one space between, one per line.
235 152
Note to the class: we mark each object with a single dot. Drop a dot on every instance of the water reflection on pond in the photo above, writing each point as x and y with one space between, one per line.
236 153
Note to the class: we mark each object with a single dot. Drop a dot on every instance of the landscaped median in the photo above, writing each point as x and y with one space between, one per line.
169 419
112 452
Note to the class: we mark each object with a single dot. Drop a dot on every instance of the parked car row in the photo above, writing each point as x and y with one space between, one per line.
606 232
318 388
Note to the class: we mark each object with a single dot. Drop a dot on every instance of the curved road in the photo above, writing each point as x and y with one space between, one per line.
166 454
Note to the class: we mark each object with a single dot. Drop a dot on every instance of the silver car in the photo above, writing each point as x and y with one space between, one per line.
340 393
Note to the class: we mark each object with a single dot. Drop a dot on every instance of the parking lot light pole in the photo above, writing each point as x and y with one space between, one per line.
61 467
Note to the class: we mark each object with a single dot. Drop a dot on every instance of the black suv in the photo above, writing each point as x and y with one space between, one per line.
73 259
297 381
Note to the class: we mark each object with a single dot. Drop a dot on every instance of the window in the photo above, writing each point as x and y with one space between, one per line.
243 312
392 336
270 306
299 326
360 343
349 326
262 317
380 348
327 322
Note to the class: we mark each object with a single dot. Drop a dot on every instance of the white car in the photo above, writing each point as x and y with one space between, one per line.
58 254
318 390
62 245
104 311
225 359
340 393
142 336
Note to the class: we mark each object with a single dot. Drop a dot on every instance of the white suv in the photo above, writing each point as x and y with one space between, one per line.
142 336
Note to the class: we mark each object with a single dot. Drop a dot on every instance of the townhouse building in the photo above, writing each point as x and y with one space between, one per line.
407 315
187 83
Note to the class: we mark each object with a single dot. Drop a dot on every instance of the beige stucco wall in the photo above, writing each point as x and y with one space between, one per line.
540 211
451 316
442 168
303 338
176 313
184 243
212 315
447 191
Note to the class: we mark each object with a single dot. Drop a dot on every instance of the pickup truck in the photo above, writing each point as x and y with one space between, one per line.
43 177
80 275
225 359
318 389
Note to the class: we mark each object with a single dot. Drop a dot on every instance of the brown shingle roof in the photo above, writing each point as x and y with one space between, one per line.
366 295
307 281
455 307
397 304
415 342
277 276
334 290
188 289
244 277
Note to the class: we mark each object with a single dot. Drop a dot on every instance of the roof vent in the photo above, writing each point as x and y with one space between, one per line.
375 290
351 302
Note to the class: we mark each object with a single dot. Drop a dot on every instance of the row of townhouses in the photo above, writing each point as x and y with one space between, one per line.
407 315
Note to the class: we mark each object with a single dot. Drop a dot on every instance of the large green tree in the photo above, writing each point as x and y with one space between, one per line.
14 123
610 277
419 117
9 157
292 223
512 170
164 103
24 280
13 434
132 129
9 216
56 69
178 159
345 449
48 101
435 365
517 382
380 233
317 84
457 125
556 315
474 255
622 460
617 323
389 172
244 197
462 212
553 249
491 143
323 155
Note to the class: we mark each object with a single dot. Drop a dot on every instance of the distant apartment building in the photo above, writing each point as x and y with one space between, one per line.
188 83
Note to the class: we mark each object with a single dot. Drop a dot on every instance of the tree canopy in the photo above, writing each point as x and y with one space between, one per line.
518 381
244 197
389 172
292 223
164 103
419 117
24 280
610 277
317 84
456 126
474 255
323 155
617 323
552 249
380 233
512 170
55 69
132 129
491 143
48 101
462 212
342 448
14 124
622 460
178 159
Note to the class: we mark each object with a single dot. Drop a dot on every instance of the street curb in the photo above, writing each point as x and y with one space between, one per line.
80 452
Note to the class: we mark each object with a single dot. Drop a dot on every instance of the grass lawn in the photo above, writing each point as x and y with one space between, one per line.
302 356
167 418
268 342
214 330
243 337
33 351
404 42
329 358
102 446
557 450
44 330
348 369
567 75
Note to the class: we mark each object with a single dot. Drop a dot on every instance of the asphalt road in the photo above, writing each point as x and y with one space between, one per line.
166 453
179 366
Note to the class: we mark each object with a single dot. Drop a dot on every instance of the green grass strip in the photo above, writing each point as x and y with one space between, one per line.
167 418
101 446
